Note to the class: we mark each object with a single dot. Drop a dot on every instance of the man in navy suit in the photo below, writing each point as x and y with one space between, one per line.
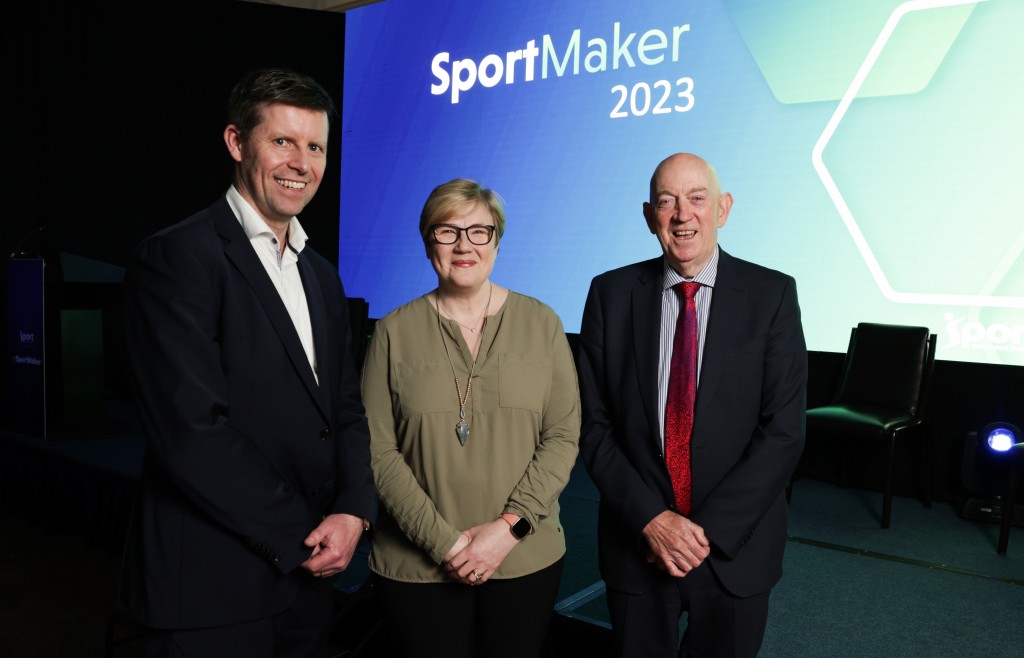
256 484
719 561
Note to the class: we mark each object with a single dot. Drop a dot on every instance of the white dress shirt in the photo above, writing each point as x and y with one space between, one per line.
669 315
282 269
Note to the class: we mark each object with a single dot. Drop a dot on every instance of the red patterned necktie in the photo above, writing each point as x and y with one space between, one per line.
682 389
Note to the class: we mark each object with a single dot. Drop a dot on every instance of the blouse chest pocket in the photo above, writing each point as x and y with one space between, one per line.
423 387
524 381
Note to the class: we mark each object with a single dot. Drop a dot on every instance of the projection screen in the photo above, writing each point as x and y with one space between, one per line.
873 148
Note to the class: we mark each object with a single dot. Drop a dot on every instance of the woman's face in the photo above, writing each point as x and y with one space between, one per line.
463 264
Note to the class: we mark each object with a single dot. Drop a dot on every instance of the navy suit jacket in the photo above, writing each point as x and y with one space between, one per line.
246 451
748 427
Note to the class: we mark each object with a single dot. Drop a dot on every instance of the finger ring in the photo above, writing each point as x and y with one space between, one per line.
476 575
321 574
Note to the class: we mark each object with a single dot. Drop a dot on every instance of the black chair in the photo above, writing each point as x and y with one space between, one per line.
881 398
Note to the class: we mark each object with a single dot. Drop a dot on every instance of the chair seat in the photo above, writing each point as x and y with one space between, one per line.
857 419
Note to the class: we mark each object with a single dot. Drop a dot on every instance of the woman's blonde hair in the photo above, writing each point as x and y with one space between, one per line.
449 199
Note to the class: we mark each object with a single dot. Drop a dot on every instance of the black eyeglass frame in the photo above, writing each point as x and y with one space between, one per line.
458 229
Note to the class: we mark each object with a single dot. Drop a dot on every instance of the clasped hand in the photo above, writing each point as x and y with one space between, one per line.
478 552
334 543
676 544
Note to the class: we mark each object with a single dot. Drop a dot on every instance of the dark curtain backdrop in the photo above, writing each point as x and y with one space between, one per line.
118 111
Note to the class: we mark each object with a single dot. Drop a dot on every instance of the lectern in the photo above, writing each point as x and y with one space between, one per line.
63 324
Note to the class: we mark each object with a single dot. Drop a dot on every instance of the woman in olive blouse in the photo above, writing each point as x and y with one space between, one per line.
474 413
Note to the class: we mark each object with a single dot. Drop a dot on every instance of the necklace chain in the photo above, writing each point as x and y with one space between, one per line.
462 428
437 296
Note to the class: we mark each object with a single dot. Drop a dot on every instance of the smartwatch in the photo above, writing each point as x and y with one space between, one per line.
518 525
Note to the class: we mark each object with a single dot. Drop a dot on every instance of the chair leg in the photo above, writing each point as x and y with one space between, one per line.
1008 509
887 489
928 460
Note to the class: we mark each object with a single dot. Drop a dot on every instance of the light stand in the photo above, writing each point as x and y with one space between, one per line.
993 457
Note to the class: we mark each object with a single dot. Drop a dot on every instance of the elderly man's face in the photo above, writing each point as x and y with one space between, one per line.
685 212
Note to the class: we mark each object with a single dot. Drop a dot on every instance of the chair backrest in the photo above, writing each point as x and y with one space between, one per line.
358 318
889 366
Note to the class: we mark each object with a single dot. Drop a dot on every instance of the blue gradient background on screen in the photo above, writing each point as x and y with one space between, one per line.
912 215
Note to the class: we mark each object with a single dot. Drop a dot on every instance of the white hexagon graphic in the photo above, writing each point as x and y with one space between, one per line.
1015 247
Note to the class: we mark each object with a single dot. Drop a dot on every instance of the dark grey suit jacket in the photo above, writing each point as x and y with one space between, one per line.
748 422
245 451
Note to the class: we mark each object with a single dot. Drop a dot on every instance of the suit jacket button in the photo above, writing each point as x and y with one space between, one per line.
325 434
316 491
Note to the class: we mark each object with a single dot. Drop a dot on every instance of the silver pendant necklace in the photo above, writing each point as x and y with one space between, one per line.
462 427
450 315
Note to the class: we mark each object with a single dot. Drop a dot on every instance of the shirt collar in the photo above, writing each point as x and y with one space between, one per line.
253 225
706 277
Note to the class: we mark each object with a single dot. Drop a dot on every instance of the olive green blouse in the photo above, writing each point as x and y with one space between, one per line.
524 416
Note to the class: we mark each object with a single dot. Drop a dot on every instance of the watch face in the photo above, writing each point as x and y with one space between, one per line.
521 528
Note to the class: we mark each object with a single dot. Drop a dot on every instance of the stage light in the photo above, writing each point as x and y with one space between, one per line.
992 458
986 458
1000 438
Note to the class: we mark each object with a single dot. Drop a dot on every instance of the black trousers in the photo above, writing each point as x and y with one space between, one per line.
499 619
718 623
301 631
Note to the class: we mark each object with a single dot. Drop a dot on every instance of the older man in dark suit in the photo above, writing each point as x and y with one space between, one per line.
706 539
256 485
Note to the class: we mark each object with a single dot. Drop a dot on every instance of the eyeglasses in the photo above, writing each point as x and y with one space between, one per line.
449 234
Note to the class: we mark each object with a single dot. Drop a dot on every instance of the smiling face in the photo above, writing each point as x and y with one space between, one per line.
685 212
281 161
463 266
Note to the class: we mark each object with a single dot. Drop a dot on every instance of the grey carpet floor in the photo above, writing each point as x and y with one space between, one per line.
931 585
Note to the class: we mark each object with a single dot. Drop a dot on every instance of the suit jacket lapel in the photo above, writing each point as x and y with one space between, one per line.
646 305
318 321
240 253
727 303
